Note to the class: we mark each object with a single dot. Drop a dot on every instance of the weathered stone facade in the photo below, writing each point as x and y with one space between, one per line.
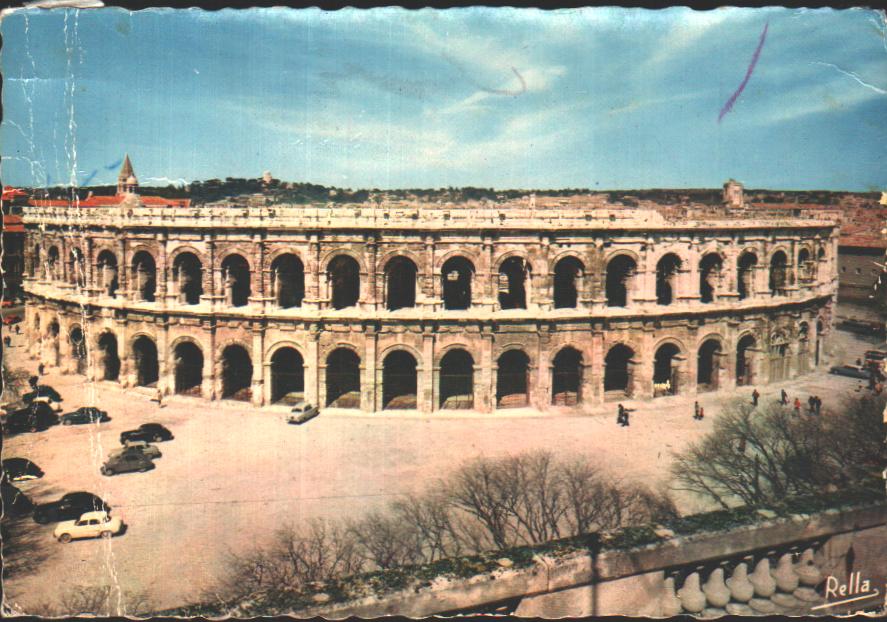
455 307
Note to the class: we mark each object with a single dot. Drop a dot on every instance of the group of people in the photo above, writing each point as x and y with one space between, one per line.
814 403
698 411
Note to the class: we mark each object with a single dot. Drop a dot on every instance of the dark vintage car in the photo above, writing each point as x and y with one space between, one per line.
851 371
15 502
85 414
127 462
69 507
42 394
20 470
33 418
147 432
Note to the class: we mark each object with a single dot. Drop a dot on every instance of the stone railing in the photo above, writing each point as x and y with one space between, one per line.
791 560
370 216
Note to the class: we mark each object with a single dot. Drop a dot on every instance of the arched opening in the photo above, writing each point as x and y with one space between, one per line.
818 353
236 280
144 276
343 379
53 332
665 370
513 380
457 380
707 365
567 274
109 357
76 268
106 265
188 278
34 269
745 368
399 381
566 378
778 264
237 374
779 357
287 376
288 281
513 275
144 352
188 360
745 274
457 274
806 268
820 259
620 276
400 284
78 348
618 370
52 263
710 270
803 347
343 276
667 269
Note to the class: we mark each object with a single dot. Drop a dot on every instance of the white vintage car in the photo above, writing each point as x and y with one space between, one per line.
89 525
147 449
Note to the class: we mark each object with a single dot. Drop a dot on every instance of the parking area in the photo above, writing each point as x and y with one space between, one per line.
233 474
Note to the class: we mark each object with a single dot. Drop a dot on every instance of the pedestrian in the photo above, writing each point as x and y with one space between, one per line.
818 405
7 341
797 406
811 404
18 329
696 410
754 397
625 416
783 397
701 413
159 398
40 369
620 416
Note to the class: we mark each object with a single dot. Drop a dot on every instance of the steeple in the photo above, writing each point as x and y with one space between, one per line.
126 180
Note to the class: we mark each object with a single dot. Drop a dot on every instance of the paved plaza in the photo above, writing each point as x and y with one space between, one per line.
233 473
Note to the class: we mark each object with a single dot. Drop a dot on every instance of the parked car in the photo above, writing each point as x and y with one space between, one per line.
302 412
12 318
43 393
15 502
69 507
20 470
88 525
852 371
127 462
85 414
32 418
147 432
146 449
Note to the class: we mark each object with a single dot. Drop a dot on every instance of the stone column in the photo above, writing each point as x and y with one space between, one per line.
426 278
368 393
312 366
485 389
258 357
166 381
593 376
426 396
540 389
369 282
208 386
314 274
643 385
161 271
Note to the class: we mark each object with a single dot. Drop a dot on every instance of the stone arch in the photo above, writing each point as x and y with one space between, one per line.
746 368
107 270
746 264
503 257
336 252
569 272
343 280
399 380
620 273
667 357
76 267
287 374
188 364
711 270
53 262
440 260
187 277
778 276
513 281
145 360
803 341
401 282
619 364
187 248
77 339
456 378
287 280
457 275
513 379
779 353
224 254
144 275
108 349
668 268
236 372
236 279
708 363
566 377
806 264
343 377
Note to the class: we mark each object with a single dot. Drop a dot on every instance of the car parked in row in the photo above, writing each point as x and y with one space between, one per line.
88 525
15 502
69 507
85 414
42 393
20 470
35 417
851 371
146 449
147 432
127 462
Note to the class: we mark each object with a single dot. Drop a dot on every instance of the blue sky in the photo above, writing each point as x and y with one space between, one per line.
598 98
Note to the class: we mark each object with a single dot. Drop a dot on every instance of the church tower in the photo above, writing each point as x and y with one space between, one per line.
126 180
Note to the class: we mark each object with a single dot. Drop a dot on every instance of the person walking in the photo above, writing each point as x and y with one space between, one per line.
41 368
696 410
754 397
620 415
798 406
817 405
783 397
811 404
159 398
